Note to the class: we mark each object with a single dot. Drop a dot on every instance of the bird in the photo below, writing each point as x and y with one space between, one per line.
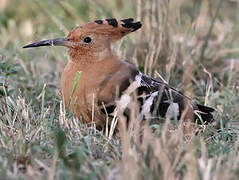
108 84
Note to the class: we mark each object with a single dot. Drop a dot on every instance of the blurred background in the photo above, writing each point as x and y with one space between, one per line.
191 44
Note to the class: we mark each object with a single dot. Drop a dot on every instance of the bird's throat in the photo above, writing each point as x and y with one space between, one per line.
89 57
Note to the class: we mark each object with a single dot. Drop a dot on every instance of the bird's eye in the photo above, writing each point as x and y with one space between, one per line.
87 39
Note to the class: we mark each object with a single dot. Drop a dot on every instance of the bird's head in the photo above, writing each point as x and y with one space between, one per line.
93 39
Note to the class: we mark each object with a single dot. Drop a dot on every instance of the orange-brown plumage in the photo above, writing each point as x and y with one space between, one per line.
99 80
106 80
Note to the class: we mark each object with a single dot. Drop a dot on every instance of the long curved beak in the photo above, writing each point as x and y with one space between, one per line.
51 42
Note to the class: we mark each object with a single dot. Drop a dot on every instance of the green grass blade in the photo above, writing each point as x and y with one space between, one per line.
76 82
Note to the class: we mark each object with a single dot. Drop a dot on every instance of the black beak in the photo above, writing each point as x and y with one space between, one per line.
51 42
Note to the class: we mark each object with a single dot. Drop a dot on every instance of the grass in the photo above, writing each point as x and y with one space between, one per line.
192 45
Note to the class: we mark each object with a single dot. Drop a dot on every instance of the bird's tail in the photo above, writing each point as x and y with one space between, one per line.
205 113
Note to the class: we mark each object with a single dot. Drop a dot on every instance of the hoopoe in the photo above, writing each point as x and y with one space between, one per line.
107 82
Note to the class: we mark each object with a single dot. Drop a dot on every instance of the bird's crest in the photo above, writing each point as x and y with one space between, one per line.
112 28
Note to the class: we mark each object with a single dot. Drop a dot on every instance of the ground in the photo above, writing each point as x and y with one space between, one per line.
193 45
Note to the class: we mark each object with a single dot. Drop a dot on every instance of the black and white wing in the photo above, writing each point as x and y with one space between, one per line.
156 99
165 101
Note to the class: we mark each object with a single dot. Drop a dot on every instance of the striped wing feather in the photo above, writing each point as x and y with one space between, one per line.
168 96
157 98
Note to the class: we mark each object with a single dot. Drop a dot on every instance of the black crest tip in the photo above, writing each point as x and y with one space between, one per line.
113 22
99 21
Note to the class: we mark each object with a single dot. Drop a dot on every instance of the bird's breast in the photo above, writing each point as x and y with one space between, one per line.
93 86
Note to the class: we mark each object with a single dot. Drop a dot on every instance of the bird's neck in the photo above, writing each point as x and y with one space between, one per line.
90 57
